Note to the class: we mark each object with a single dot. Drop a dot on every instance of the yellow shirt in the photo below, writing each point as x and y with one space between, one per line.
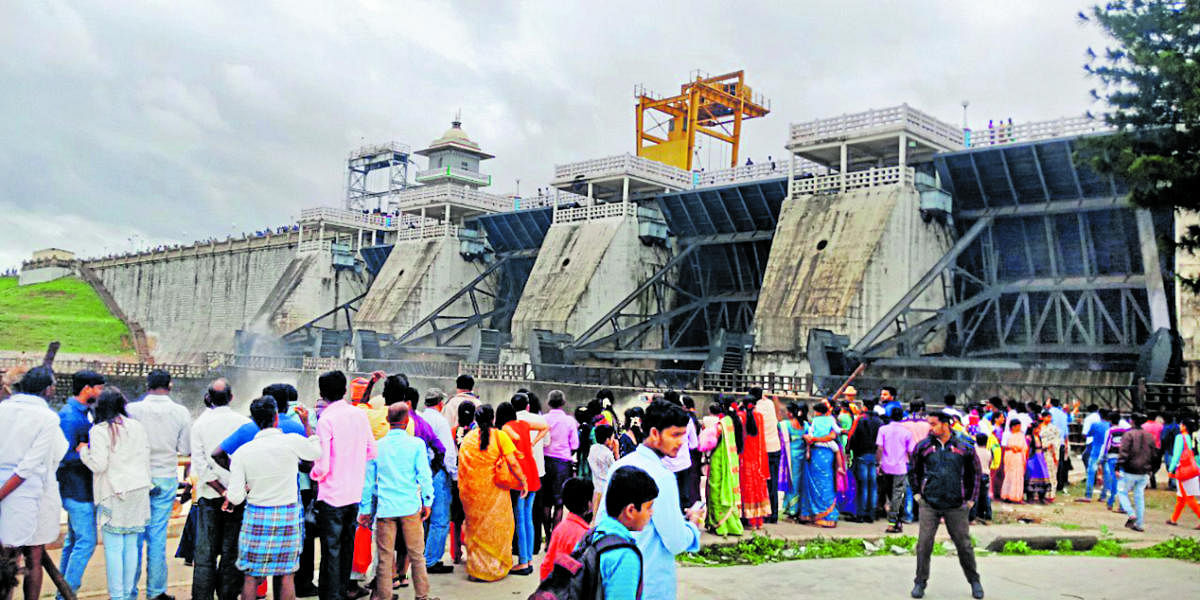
377 417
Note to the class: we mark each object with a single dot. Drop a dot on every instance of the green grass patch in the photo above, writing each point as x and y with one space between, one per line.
1180 548
67 310
762 549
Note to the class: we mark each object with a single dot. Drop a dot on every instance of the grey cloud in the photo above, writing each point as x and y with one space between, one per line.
177 121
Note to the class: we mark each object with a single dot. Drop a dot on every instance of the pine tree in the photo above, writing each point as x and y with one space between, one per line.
1150 81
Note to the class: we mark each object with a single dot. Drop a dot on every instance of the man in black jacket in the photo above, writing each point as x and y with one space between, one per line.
862 445
945 480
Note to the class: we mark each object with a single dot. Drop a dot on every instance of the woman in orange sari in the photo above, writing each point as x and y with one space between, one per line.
756 503
489 524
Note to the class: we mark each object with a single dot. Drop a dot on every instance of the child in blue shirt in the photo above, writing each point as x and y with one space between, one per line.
629 505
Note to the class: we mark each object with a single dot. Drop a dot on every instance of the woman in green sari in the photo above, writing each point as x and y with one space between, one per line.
793 430
724 489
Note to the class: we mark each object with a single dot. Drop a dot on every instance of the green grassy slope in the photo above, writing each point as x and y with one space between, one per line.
67 310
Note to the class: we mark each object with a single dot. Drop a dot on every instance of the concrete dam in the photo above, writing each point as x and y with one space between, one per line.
886 236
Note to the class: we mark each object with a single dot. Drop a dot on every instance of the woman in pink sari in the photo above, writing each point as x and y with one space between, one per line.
1015 451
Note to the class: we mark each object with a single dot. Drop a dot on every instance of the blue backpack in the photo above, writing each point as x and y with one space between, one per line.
577 576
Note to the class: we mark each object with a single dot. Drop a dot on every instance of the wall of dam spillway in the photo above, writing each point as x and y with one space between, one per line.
192 300
418 276
839 262
582 270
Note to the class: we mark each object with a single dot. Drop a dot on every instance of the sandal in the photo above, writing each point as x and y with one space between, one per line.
399 582
1172 523
894 529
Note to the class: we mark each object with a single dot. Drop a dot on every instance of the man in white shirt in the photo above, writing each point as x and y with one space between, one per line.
439 517
216 530
770 414
168 426
31 445
263 474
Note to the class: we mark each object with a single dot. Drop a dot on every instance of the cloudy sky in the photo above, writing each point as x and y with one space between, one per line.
171 121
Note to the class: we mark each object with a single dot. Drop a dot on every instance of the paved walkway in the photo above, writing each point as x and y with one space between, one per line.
1015 577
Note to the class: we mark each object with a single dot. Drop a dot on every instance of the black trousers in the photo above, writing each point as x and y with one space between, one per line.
773 485
335 526
216 552
304 574
958 527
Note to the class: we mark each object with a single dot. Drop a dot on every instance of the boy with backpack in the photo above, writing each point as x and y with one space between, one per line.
607 563
577 498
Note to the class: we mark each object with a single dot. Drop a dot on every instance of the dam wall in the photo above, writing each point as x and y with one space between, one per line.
840 261
190 300
418 276
583 269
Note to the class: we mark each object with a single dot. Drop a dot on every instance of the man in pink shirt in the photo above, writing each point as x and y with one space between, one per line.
346 446
564 441
893 445
1153 426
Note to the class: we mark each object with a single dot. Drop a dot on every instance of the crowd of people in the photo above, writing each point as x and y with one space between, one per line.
404 484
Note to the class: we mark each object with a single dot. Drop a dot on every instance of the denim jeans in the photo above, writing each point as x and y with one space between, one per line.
121 563
1093 464
1136 484
154 539
80 542
865 475
216 536
439 519
911 509
523 517
1110 481
336 527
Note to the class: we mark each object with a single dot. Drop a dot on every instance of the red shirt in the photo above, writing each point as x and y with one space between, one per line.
525 454
564 539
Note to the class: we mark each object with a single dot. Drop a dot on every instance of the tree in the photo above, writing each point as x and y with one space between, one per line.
1150 80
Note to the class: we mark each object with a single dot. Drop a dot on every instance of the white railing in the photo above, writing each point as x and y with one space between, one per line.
624 164
448 171
449 193
309 246
596 211
854 180
553 197
1036 130
350 218
427 232
901 117
377 149
765 170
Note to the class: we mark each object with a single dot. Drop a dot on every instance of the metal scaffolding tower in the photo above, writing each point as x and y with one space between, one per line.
392 157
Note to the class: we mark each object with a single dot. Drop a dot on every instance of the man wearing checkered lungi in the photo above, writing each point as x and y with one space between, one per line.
263 474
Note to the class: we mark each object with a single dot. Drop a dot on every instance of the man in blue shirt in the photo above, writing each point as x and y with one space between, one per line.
669 532
398 494
1098 435
629 505
75 479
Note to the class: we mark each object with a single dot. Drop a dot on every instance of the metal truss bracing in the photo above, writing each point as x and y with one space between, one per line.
723 239
1055 268
500 283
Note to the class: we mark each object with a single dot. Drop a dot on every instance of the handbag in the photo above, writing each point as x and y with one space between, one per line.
503 476
1187 467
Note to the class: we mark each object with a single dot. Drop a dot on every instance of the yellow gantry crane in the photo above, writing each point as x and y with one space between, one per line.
714 106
